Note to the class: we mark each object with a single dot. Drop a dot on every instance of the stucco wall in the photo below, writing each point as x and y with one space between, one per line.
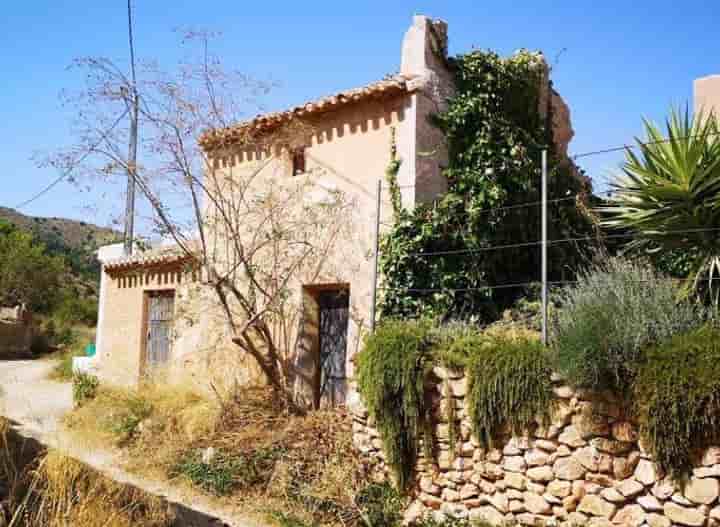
706 91
201 351
586 468
347 151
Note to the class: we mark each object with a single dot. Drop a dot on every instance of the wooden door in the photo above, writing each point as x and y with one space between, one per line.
160 308
334 318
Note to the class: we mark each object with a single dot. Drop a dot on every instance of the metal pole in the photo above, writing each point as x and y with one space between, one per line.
134 110
544 250
375 255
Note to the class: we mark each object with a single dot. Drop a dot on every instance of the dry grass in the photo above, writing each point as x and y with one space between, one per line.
257 457
52 490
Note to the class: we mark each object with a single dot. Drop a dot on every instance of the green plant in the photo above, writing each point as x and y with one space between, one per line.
125 423
495 131
509 383
677 394
224 472
63 370
28 275
617 308
668 195
283 519
391 374
84 387
380 505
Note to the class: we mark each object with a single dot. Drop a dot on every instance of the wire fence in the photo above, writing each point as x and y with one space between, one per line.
541 245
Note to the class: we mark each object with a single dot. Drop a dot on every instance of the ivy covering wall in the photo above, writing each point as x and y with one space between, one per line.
495 133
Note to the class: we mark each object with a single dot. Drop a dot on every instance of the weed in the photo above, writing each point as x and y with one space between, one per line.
85 387
223 472
380 505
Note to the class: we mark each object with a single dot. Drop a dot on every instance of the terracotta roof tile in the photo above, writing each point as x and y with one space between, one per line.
151 258
264 123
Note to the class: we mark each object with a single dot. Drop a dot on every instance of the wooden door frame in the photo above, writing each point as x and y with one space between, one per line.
314 291
145 325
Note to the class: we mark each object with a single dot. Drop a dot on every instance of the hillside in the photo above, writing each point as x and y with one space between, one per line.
77 241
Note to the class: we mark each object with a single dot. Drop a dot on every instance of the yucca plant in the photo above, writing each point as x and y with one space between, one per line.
668 196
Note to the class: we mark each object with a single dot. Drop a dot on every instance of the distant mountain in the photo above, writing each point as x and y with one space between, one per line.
76 240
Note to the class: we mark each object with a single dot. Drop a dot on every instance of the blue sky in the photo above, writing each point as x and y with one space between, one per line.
618 61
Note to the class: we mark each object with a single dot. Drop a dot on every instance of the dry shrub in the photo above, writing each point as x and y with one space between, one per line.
17 460
157 418
47 488
244 445
67 492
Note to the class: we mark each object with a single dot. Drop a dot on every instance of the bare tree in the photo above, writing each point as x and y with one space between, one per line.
254 235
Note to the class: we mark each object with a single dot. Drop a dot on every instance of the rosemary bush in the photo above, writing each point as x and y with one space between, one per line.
392 369
678 398
509 383
617 308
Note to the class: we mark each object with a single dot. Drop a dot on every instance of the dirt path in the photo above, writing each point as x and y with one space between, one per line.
30 399
36 405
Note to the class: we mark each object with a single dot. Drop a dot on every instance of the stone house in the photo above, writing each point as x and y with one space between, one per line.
16 332
348 149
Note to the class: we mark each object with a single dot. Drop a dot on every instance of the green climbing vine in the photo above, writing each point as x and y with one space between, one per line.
494 132
391 173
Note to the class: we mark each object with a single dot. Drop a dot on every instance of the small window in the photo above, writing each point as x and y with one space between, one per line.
298 161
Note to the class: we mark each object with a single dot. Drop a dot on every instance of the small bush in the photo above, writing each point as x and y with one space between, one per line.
85 387
392 369
615 310
380 505
125 422
225 472
508 383
678 398
63 370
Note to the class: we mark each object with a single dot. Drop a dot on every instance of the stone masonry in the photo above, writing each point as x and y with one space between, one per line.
588 467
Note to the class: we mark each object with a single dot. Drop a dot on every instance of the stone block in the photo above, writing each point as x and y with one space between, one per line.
645 472
543 473
596 506
702 491
559 488
630 516
630 488
683 515
613 496
568 469
649 503
514 464
536 504
571 437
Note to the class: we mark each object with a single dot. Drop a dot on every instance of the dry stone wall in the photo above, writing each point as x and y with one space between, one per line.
587 467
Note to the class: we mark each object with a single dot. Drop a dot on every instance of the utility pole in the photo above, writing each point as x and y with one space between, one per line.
133 111
544 250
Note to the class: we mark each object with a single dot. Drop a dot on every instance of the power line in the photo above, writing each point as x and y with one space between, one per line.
534 283
554 242
638 145
67 171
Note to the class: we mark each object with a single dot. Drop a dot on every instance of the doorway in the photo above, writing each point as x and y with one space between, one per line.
160 306
333 318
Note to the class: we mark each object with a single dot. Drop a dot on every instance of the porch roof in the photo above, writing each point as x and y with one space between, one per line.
163 257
